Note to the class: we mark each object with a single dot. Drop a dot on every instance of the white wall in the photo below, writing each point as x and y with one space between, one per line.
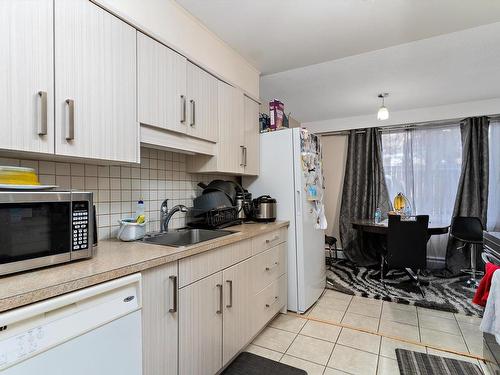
438 113
168 22
334 159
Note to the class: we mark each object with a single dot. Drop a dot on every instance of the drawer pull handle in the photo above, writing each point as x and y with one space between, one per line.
276 299
174 297
219 286
230 282
273 239
272 267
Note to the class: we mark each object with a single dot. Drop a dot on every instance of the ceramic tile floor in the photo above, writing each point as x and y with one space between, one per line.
327 349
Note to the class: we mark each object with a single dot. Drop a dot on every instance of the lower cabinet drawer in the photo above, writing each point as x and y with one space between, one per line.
268 266
268 240
269 301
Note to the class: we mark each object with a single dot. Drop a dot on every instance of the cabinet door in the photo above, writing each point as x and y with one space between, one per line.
95 64
238 311
252 137
162 100
26 75
202 95
231 129
200 326
160 320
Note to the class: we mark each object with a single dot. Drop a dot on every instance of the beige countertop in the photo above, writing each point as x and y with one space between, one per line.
113 259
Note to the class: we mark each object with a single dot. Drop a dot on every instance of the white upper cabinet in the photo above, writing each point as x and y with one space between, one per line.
231 133
162 100
252 138
95 83
202 95
26 75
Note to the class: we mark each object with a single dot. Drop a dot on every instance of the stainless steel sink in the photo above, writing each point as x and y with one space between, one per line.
184 237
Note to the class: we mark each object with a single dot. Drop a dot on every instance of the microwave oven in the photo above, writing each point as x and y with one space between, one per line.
43 228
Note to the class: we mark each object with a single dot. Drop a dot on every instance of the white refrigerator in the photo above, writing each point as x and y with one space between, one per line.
283 176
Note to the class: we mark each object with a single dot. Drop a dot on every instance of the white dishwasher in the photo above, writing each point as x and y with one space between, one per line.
94 331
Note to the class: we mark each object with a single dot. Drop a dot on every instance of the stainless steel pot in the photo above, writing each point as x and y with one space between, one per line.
264 209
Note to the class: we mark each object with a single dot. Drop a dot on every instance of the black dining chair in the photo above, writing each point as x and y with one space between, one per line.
406 246
469 231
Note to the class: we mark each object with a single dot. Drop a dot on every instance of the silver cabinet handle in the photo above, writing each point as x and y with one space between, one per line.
276 264
275 238
174 294
70 124
42 119
193 112
245 154
219 286
242 164
183 109
230 282
276 299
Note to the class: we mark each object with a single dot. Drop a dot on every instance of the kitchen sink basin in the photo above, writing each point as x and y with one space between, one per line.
184 237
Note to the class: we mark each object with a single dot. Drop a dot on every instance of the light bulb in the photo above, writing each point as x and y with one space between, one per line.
383 113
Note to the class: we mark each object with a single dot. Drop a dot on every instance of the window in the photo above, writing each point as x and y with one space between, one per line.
493 222
424 164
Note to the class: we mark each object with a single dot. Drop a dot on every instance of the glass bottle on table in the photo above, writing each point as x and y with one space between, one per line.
378 215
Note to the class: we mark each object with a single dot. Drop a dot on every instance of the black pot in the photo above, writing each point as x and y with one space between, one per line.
210 200
230 188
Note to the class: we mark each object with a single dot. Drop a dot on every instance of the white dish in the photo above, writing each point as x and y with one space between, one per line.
26 187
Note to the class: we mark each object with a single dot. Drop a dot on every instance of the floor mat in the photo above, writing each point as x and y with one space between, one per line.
415 363
252 364
440 294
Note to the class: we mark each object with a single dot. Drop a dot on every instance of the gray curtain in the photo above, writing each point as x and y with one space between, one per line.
472 192
364 190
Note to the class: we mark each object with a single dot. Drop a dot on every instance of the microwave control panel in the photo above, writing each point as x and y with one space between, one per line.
80 212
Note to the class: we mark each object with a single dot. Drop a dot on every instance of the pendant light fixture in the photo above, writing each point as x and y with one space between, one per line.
383 113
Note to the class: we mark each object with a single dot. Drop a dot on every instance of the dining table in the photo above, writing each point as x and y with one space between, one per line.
374 236
435 227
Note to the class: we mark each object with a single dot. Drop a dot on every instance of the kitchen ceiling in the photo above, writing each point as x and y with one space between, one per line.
277 35
330 58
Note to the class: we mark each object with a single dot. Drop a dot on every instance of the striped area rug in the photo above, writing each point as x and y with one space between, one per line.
415 363
440 294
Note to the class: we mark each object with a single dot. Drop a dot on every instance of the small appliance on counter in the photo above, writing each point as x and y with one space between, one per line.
43 228
264 209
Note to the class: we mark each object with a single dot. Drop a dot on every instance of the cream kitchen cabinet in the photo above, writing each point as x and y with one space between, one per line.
237 150
200 326
161 77
229 157
251 156
27 75
226 297
160 319
95 83
203 97
238 328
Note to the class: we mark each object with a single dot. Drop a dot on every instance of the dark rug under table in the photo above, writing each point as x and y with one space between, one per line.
252 364
447 294
415 363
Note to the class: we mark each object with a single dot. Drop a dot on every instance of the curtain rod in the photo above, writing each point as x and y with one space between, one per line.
415 125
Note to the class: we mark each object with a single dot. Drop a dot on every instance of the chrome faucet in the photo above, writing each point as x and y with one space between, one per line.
166 214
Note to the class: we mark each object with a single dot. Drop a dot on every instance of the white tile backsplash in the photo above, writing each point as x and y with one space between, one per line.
161 175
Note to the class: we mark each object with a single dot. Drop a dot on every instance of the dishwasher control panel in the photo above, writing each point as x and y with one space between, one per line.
19 346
